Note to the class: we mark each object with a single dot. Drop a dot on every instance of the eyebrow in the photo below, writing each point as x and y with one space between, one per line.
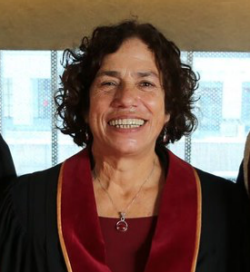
118 74
148 73
108 73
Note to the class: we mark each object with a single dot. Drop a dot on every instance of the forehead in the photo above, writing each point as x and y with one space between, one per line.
132 52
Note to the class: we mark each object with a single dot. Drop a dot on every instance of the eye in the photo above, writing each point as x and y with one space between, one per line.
146 84
108 83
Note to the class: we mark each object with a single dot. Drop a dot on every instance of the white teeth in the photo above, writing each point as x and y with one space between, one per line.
127 123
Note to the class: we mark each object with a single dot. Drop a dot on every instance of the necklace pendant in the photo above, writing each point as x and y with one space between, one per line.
122 225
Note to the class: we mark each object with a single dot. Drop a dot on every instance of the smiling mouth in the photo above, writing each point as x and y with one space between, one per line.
127 123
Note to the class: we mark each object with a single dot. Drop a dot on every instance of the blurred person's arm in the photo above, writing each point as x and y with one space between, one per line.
7 168
243 178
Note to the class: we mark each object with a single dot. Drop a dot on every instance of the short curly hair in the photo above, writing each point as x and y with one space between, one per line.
81 66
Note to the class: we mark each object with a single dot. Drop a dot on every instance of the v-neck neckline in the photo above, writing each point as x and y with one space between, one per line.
177 230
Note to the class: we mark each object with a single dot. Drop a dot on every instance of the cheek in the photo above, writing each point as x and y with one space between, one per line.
157 107
96 103
100 98
99 109
156 103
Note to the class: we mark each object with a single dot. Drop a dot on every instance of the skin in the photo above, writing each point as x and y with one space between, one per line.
127 79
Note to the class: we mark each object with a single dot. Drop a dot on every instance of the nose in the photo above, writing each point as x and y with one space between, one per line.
125 97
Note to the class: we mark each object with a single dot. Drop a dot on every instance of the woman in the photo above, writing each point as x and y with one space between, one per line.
124 203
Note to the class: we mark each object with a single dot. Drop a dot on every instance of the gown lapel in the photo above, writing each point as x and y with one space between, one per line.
78 226
176 241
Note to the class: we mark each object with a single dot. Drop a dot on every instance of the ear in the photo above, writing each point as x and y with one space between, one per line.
167 118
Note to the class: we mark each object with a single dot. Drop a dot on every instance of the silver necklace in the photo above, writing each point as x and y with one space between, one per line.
122 224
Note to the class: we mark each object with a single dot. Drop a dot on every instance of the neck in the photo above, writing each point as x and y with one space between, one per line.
126 172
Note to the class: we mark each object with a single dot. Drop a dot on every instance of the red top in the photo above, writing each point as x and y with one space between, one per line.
128 251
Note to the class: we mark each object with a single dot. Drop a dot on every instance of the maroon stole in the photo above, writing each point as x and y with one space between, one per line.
176 240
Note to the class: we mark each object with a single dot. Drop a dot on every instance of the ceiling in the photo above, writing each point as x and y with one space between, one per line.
195 25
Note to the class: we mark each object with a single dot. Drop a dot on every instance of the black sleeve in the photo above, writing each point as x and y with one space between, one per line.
225 233
29 239
240 177
7 168
245 231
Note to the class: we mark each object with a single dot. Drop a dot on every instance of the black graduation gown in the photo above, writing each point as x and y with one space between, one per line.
29 239
7 169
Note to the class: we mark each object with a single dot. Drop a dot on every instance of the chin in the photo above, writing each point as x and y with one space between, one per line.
126 150
129 149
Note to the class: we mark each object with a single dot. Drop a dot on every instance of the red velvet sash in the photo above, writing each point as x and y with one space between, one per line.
176 241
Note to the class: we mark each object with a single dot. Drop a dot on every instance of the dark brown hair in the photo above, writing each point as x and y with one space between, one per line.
81 66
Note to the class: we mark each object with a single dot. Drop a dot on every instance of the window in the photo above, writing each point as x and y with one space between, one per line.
28 80
7 94
210 107
41 98
218 143
245 110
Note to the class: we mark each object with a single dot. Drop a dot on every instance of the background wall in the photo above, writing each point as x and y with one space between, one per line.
204 25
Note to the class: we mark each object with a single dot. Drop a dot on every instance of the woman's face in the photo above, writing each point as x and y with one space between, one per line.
127 110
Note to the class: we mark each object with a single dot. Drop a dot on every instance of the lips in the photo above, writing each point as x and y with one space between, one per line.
127 123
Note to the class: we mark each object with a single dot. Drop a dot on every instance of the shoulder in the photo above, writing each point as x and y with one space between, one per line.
36 185
28 216
206 178
218 186
29 196
222 197
225 221
7 169
36 181
213 180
